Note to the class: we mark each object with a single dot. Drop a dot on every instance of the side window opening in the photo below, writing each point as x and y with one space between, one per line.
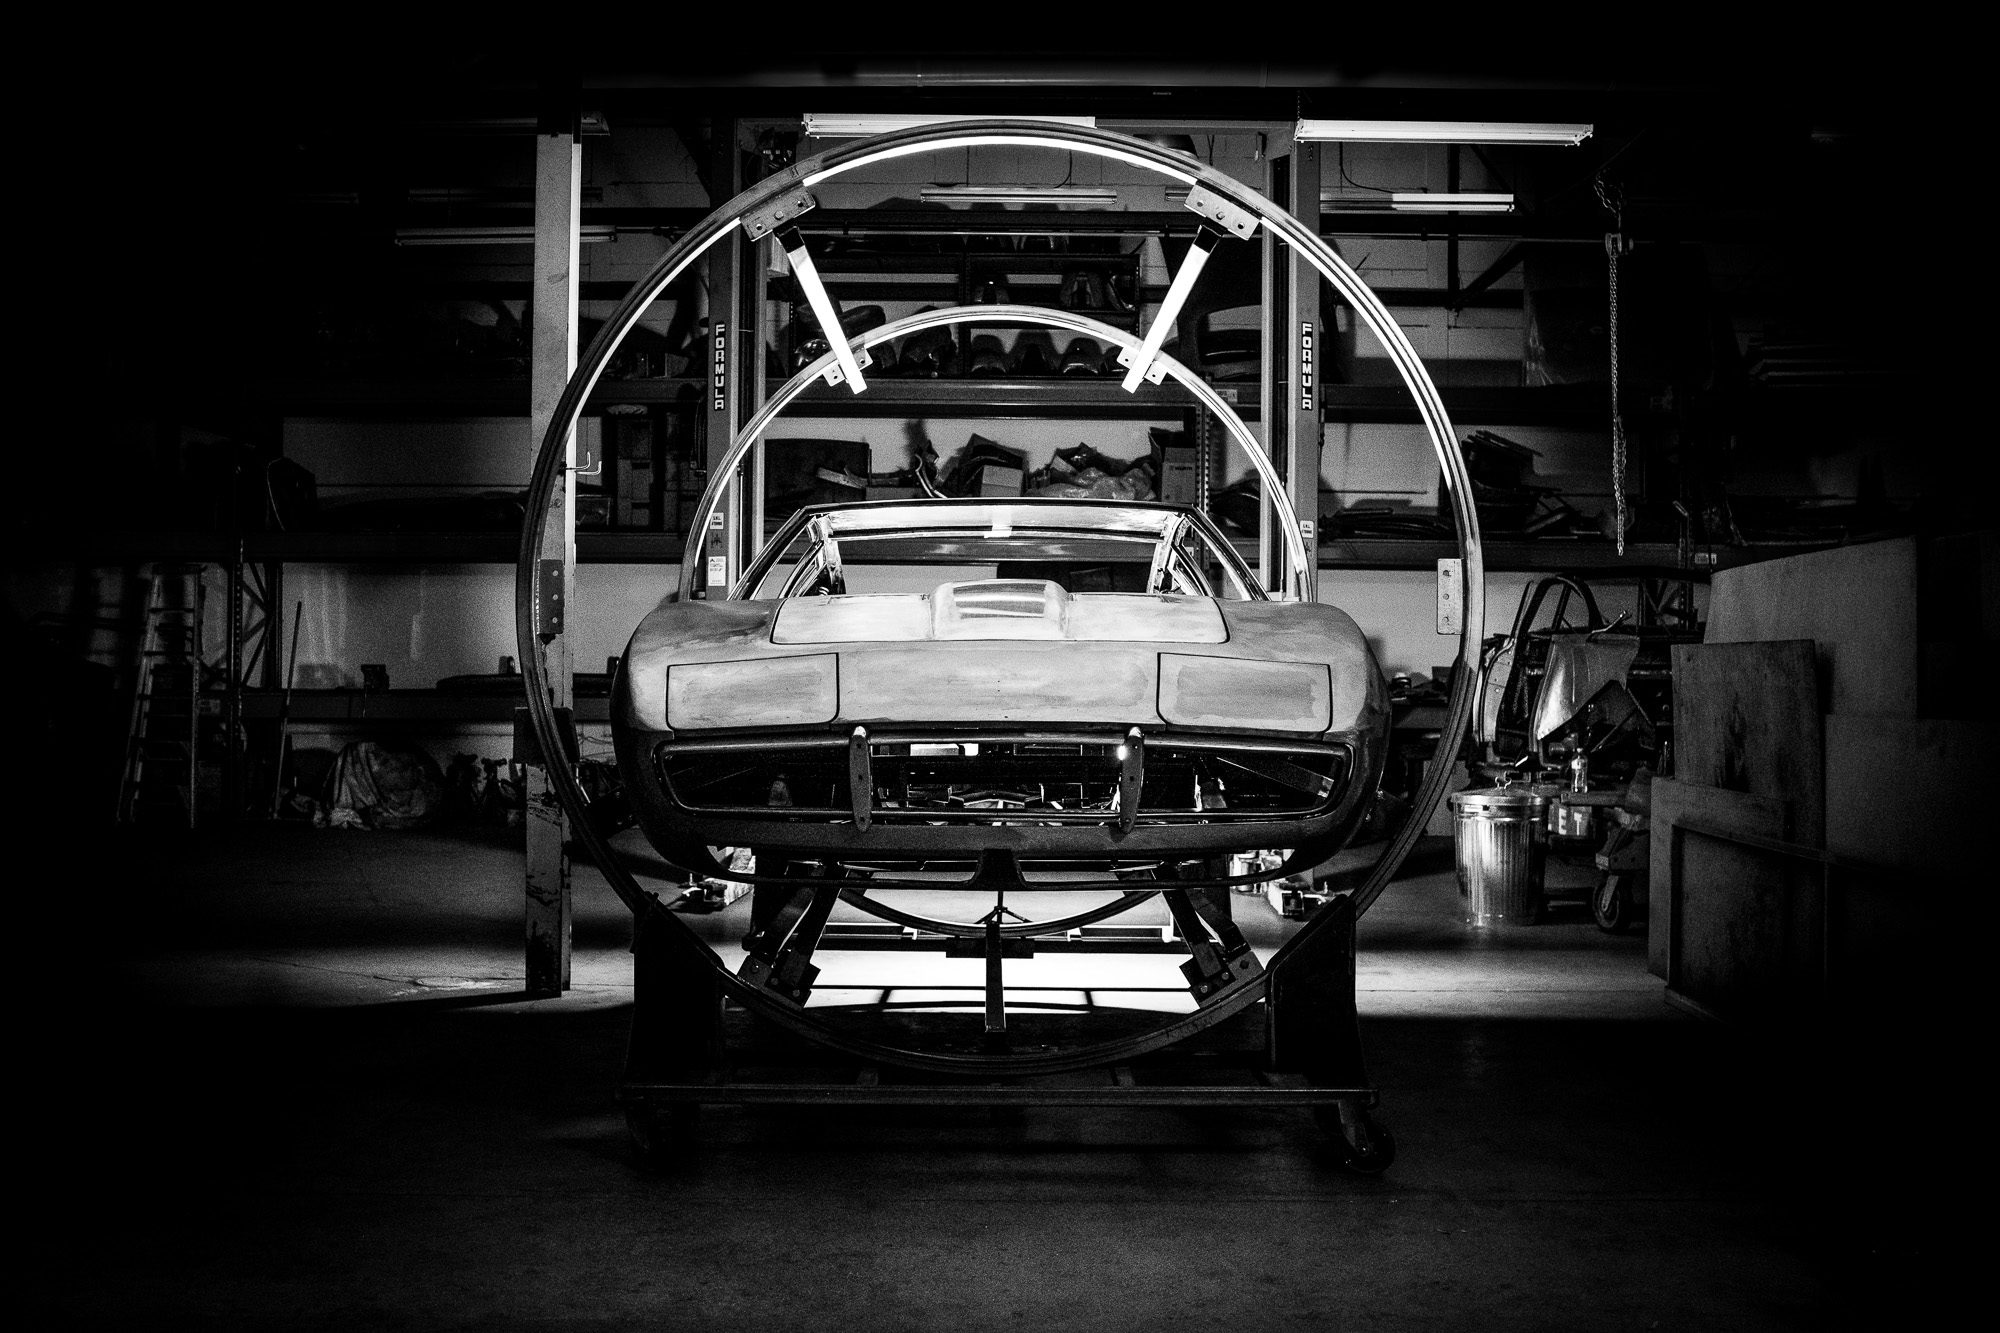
1215 576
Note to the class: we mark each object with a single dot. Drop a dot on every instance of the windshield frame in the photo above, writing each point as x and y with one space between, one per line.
1166 526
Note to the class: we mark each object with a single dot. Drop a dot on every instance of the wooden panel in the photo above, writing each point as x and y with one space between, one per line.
1674 801
1749 923
1744 923
1746 719
1858 604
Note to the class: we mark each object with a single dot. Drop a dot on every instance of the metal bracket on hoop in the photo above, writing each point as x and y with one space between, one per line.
1238 222
834 374
787 207
1153 374
549 600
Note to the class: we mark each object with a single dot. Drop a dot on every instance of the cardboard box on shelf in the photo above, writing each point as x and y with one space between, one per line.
1176 456
799 472
997 480
984 467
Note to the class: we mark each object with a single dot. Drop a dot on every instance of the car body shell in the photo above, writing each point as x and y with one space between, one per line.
929 726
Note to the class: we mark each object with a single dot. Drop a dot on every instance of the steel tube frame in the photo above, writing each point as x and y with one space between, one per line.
724 222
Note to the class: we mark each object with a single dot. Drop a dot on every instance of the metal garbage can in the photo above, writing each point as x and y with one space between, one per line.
1501 837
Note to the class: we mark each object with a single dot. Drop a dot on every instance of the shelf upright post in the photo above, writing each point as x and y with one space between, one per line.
552 359
1305 344
730 355
1271 417
758 321
1288 394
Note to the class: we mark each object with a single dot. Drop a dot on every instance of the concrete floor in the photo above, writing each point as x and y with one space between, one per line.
297 1085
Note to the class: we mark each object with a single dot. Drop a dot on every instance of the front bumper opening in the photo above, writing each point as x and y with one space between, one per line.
1034 780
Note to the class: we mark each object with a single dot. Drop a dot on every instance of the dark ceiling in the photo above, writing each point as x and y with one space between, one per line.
171 173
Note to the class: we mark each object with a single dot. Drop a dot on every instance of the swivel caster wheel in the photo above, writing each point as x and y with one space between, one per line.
1366 1145
1612 904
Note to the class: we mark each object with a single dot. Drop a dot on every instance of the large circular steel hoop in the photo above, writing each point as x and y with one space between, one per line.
1125 902
552 455
723 474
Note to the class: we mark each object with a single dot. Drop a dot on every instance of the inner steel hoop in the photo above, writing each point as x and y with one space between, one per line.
723 475
551 458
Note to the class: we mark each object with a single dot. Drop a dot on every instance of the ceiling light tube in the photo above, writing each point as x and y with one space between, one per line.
822 126
823 310
587 122
491 235
1424 202
1440 131
1170 309
1016 194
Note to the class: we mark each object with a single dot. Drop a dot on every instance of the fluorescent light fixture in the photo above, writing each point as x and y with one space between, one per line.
1439 131
504 196
587 122
1016 194
491 235
1422 202
859 126
1413 201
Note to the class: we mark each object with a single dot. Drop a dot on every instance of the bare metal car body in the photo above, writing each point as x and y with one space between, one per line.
1063 681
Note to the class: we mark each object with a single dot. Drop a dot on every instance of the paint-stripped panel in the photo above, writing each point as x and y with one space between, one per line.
688 631
779 692
1231 692
1090 618
1140 618
891 619
998 682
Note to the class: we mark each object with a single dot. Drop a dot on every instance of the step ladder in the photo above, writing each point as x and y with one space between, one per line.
162 751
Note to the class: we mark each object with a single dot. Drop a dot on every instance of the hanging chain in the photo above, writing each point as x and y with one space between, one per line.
1613 199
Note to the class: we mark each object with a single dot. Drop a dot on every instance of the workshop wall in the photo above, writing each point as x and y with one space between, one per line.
430 622
426 623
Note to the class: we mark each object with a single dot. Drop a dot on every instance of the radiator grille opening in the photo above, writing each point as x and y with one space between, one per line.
1009 781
